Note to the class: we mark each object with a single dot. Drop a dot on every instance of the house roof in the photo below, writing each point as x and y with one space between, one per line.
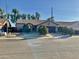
49 23
74 25
2 23
64 24
38 22
34 22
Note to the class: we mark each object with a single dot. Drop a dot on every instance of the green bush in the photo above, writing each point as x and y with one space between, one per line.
26 29
71 31
43 30
65 30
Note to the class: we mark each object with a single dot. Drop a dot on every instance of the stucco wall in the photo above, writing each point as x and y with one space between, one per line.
19 26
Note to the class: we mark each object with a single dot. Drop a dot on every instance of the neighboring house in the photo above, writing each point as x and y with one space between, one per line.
74 25
3 25
52 26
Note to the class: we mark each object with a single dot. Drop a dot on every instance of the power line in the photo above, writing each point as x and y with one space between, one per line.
6 14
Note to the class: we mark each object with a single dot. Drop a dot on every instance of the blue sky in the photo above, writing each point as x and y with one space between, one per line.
64 10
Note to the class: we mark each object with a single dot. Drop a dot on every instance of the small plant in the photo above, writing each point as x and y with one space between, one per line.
43 30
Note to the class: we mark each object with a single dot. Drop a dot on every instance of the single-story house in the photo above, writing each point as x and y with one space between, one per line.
52 26
74 25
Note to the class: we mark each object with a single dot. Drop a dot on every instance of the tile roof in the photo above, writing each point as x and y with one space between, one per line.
74 25
38 22
63 24
49 23
34 22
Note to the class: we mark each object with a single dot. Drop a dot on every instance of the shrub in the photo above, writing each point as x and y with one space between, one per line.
43 30
65 30
71 31
26 29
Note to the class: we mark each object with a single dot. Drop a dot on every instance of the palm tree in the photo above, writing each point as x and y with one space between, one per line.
28 16
7 15
37 15
18 16
1 13
14 15
33 17
23 16
15 11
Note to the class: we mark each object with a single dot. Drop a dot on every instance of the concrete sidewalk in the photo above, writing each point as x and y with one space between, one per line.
10 38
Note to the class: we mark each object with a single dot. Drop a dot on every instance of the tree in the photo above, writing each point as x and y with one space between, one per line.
1 13
28 16
15 11
43 30
15 15
50 18
37 15
33 17
7 15
23 16
71 31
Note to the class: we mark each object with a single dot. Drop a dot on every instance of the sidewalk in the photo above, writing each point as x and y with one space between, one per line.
10 38
35 36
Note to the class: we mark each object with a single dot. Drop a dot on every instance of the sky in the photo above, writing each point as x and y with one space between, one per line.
63 10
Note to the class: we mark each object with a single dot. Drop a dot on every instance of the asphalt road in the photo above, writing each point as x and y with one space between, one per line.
40 49
15 50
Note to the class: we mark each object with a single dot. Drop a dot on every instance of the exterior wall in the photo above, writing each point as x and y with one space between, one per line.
19 26
76 32
51 29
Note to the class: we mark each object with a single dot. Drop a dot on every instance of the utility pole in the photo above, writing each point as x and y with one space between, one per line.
6 15
52 14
